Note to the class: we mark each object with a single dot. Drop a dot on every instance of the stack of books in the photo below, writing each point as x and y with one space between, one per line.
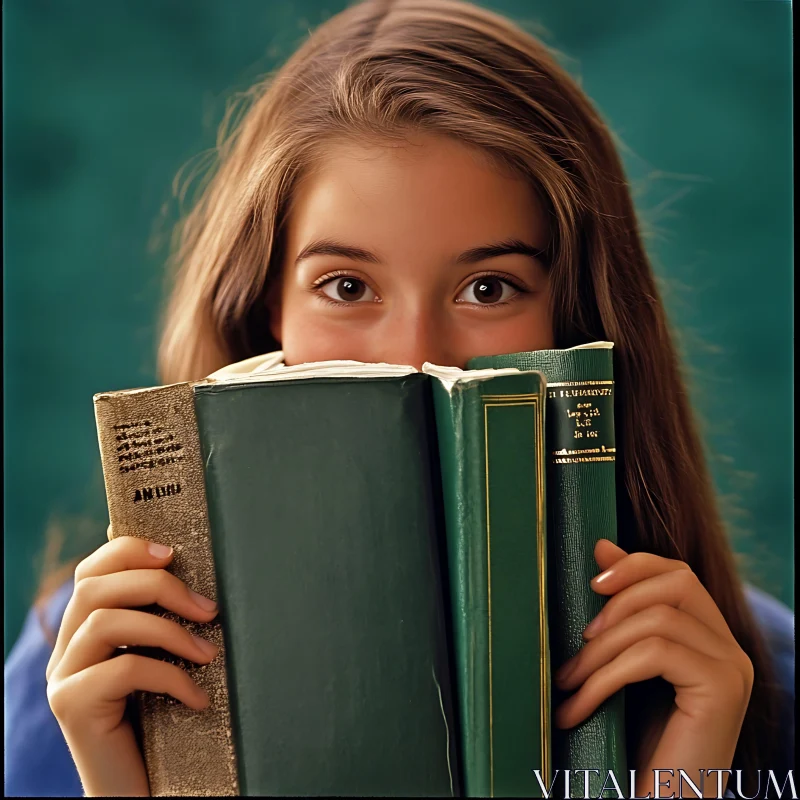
401 558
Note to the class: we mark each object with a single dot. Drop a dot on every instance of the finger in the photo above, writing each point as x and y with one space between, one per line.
632 568
607 553
709 681
109 628
658 620
122 553
128 589
677 587
81 694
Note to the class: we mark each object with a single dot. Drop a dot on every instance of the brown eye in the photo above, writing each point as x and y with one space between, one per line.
348 290
487 290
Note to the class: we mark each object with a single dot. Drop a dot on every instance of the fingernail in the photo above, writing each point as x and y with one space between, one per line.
209 649
594 626
203 602
159 550
602 576
566 670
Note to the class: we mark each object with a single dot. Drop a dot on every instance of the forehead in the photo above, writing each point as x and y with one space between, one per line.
431 191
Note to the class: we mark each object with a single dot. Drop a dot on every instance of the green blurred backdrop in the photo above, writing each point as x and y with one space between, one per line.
105 101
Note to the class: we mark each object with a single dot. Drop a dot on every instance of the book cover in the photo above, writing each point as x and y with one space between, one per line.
306 507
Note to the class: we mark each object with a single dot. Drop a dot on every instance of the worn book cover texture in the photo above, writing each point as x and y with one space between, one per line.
153 473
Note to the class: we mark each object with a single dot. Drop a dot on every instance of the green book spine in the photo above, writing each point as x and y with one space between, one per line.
581 502
491 449
325 522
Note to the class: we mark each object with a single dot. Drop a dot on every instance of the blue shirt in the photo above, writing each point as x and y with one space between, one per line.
38 763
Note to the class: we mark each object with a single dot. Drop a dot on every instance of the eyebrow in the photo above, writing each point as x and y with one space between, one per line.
329 247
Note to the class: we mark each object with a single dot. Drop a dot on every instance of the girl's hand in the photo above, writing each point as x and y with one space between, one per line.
660 621
87 688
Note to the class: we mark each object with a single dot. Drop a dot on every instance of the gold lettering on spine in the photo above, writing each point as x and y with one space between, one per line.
534 401
186 752
582 421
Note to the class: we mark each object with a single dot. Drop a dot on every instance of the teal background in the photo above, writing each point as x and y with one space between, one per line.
105 101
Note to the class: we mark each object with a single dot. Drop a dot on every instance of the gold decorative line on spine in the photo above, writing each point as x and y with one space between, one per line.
544 643
506 399
585 451
580 383
584 460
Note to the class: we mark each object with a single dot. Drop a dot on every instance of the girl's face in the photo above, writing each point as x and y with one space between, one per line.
407 254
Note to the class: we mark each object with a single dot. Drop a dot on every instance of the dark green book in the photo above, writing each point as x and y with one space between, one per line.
307 507
581 503
491 443
308 501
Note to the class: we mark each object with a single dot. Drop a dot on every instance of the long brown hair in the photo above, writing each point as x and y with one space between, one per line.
380 69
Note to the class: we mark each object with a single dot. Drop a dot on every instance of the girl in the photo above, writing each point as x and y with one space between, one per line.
422 182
